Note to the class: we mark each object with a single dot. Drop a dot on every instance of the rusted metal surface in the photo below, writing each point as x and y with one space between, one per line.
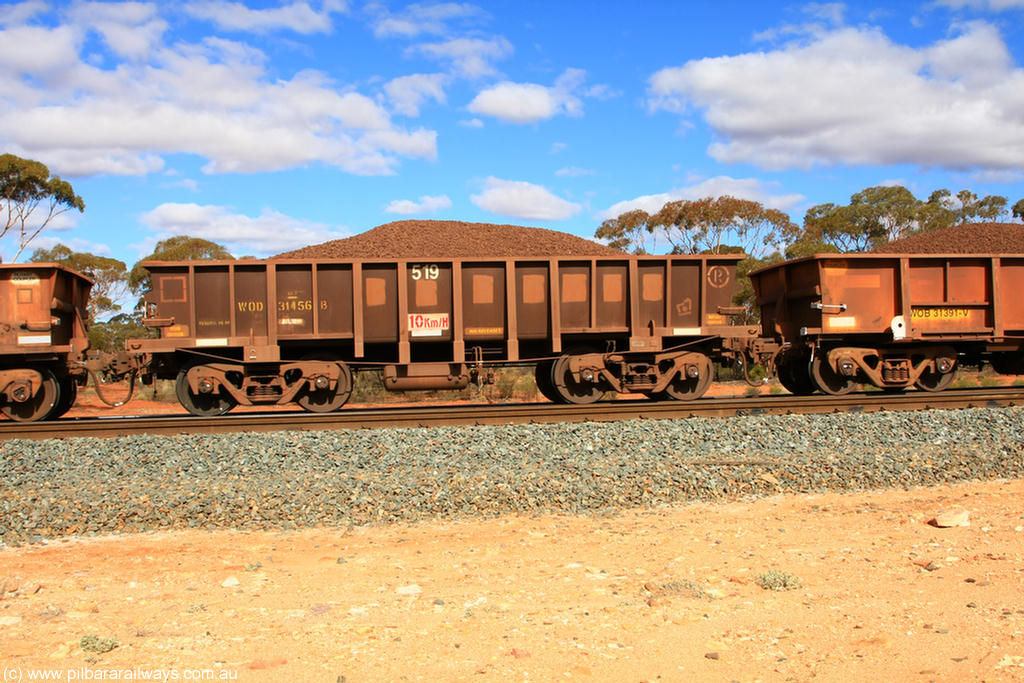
893 320
439 415
254 304
43 339
42 309
905 297
436 324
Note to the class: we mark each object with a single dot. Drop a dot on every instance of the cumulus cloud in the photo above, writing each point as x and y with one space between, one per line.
212 98
408 93
529 102
21 12
130 29
573 172
853 96
520 199
296 16
426 204
269 233
742 188
467 57
418 19
990 5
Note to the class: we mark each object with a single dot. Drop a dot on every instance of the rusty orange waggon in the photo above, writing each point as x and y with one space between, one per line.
283 331
891 320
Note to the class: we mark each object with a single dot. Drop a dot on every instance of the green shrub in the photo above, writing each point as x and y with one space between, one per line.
775 580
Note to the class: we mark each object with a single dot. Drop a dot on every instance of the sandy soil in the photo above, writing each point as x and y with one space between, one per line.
664 595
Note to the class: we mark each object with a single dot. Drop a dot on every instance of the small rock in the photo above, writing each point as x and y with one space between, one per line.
411 589
712 655
519 654
230 582
9 621
951 518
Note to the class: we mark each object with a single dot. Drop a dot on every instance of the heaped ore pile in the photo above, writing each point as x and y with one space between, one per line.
452 239
970 238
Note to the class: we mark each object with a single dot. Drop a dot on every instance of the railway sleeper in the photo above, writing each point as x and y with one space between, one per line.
927 367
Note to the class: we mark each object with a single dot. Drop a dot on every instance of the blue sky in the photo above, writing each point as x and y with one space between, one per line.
266 126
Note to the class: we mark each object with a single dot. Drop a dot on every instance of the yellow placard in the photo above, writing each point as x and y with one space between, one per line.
484 331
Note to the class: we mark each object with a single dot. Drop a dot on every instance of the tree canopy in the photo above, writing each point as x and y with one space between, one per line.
30 198
109 275
177 248
881 214
708 225
874 216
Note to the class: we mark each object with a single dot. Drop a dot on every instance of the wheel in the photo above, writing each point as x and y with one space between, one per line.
542 375
683 388
930 380
68 394
37 407
567 389
328 400
201 405
826 379
794 375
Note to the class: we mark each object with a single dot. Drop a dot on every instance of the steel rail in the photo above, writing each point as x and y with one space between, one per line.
477 414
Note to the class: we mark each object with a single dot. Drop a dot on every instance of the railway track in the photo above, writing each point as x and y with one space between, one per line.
438 415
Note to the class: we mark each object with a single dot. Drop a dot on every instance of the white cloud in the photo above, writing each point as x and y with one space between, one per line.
832 12
426 204
419 19
468 57
573 172
520 199
407 93
528 102
852 96
742 188
296 16
74 244
269 233
21 12
213 99
130 29
991 5
471 123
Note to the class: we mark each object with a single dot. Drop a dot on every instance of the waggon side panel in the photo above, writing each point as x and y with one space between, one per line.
1010 295
42 309
932 297
437 308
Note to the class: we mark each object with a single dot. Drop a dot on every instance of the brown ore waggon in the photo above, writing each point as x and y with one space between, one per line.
43 341
282 331
893 321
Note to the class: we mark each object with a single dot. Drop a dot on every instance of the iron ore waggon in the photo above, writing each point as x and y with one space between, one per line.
893 321
282 331
43 340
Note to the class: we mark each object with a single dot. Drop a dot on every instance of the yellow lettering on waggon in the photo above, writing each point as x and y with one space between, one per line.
940 313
